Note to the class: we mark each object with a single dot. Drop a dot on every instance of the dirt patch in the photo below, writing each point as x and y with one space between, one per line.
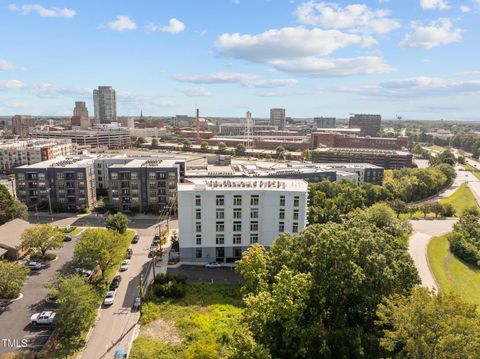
161 330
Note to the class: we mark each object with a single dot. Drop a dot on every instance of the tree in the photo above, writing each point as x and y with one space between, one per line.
117 222
204 146
155 142
307 155
425 208
437 208
42 238
240 149
398 206
429 325
12 277
445 157
8 134
187 145
10 208
222 147
280 152
77 305
98 247
140 141
253 269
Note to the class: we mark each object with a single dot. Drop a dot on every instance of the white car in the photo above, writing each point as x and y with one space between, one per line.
110 297
124 265
34 265
43 318
213 265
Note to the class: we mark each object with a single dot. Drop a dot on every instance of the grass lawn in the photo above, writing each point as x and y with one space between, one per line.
437 148
196 323
473 170
451 273
461 199
76 231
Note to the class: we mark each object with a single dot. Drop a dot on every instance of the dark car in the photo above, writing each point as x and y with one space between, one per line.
115 282
129 253
67 238
157 237
135 239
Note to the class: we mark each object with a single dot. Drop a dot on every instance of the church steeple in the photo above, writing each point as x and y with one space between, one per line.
141 114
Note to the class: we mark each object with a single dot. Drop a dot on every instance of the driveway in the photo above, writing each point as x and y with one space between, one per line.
15 320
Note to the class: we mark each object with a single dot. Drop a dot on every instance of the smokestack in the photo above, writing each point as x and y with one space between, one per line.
198 126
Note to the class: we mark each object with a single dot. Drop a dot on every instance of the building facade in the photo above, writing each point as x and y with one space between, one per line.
332 139
383 158
113 138
21 125
27 152
105 104
220 218
65 184
370 125
80 109
325 122
277 118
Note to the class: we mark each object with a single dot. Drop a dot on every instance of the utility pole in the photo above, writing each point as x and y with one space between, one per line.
49 202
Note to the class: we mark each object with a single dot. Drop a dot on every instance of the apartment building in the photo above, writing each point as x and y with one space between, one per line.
26 152
21 125
332 139
105 104
112 138
67 184
220 218
143 185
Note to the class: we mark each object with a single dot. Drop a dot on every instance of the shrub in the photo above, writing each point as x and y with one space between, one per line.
464 249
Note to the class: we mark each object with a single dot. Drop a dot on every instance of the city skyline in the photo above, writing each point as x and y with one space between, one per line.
312 58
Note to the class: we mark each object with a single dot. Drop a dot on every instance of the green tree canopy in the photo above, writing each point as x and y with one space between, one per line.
10 208
42 238
222 147
204 146
12 277
155 142
240 149
117 222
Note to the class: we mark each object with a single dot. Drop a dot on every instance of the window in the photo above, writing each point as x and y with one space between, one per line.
60 175
220 214
220 252
198 227
296 201
197 201
237 226
220 239
152 175
282 201
161 175
295 214
253 238
295 228
134 175
198 239
198 213
237 252
254 213
237 200
237 239
220 226
80 175
220 201
281 227
198 253
254 200
254 226
237 213
281 214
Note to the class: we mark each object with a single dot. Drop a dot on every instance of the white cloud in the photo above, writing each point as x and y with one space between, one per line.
243 79
440 32
288 42
465 8
6 66
196 92
11 84
357 17
434 4
122 23
324 67
174 26
42 11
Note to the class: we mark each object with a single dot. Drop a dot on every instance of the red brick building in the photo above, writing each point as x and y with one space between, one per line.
336 140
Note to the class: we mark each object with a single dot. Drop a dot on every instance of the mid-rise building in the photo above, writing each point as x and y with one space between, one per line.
65 184
332 139
220 218
384 158
370 125
105 104
112 138
80 109
277 118
22 125
143 186
325 122
27 152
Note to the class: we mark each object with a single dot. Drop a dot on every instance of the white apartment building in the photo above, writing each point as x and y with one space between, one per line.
220 218
15 153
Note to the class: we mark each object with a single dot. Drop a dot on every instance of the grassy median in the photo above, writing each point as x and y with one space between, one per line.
461 199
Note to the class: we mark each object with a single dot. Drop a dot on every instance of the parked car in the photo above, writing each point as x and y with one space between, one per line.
124 265
120 354
213 265
129 253
137 302
156 237
34 265
135 239
43 318
84 272
110 297
67 238
115 282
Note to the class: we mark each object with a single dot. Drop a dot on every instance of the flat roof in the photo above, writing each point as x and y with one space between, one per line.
239 184
360 150
11 232
153 162
62 162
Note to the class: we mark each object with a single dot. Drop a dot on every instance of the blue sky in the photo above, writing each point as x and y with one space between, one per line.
413 58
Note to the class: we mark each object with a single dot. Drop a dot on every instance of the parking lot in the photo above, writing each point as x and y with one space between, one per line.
197 274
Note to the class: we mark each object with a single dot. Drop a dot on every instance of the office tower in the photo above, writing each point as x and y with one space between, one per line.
21 125
324 122
80 109
277 117
368 124
105 104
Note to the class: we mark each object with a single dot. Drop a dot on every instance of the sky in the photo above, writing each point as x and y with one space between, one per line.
417 59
